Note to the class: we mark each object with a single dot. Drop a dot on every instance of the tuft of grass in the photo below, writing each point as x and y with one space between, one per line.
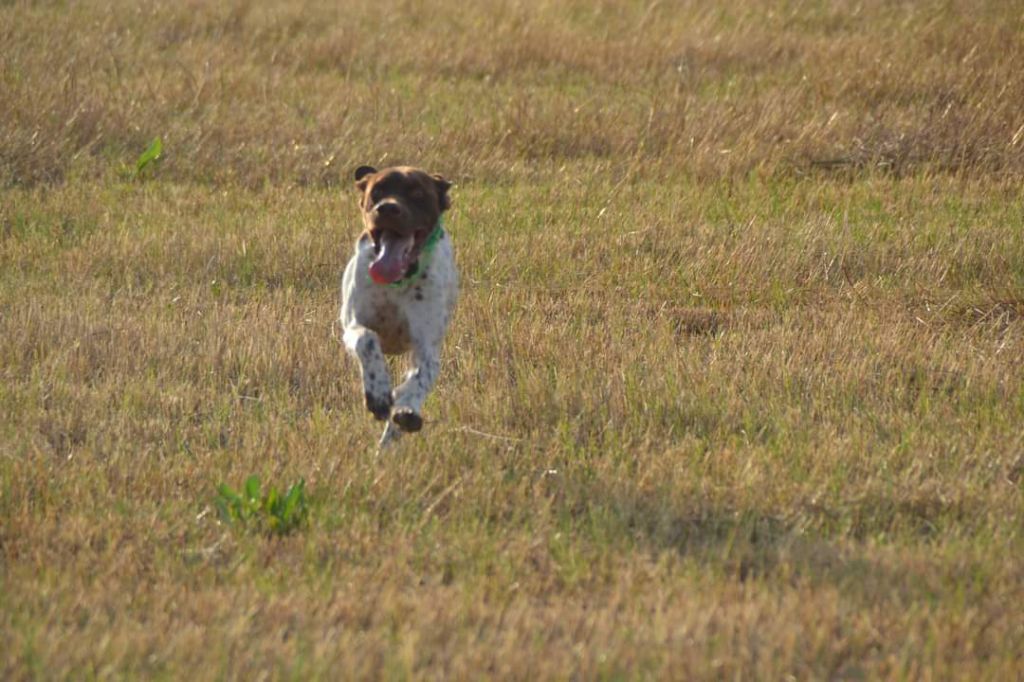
273 512
149 157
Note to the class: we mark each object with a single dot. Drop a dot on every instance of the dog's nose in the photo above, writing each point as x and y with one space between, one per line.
387 208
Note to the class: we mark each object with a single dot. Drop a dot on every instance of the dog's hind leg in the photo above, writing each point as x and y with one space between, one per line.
364 345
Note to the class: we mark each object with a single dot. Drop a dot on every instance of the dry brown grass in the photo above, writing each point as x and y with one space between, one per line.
298 92
766 423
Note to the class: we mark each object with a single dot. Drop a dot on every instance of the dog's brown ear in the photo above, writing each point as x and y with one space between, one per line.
442 186
362 176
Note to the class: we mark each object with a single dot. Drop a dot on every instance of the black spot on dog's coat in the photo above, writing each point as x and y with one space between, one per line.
381 408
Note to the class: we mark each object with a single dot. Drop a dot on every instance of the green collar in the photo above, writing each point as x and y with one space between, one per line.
424 258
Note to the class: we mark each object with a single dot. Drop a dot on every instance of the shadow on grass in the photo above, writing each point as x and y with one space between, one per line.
844 545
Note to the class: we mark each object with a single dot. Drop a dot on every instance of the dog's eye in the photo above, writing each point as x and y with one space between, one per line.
417 194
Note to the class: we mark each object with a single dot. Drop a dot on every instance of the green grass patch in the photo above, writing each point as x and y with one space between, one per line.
267 511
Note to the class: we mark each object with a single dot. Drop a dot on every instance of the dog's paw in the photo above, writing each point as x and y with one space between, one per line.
379 406
407 420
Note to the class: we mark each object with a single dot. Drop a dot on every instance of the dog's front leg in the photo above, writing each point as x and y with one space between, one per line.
410 394
364 345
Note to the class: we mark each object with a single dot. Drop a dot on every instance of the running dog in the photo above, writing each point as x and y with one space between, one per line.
399 290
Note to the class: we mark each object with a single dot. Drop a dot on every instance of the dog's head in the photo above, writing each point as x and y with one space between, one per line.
401 207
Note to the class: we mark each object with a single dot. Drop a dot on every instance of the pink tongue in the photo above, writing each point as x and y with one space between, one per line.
393 260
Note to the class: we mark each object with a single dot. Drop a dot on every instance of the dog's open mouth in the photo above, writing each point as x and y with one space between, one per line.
395 255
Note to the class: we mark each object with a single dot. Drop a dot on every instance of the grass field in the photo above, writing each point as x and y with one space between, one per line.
735 389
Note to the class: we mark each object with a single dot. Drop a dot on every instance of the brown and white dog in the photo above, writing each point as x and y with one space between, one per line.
399 290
